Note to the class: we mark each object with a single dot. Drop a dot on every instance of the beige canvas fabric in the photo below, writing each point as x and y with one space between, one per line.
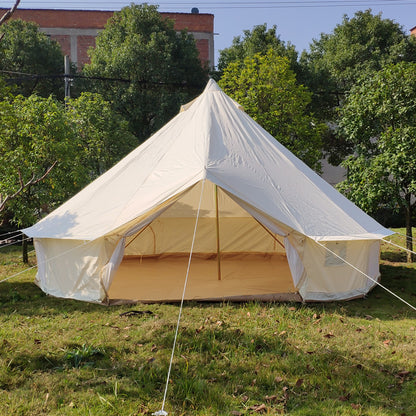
258 201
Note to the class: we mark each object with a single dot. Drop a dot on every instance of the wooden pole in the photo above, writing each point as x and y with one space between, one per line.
218 234
273 236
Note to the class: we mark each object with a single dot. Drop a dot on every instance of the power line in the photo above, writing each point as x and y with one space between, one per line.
28 77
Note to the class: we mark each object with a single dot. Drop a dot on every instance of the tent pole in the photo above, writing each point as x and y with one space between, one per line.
218 234
144 228
273 236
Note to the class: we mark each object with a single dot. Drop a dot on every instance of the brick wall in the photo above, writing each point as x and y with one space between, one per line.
76 30
84 43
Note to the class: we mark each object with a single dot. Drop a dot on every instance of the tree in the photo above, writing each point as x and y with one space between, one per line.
258 40
103 136
358 46
36 150
49 152
379 121
160 67
267 89
25 50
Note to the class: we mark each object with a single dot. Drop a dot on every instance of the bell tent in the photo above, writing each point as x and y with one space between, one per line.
214 187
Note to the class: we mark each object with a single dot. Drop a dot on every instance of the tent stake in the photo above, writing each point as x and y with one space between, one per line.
218 234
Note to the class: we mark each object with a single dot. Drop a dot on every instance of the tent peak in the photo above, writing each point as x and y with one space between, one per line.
212 86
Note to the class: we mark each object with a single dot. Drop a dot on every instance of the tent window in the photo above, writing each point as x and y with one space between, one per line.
340 249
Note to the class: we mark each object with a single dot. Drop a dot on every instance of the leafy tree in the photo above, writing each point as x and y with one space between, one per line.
379 121
35 154
258 40
25 50
5 90
267 89
161 65
358 46
103 137
49 152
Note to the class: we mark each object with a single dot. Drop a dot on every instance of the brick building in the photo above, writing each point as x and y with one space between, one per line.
76 30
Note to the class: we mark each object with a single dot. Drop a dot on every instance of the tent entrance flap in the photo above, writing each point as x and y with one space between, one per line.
235 257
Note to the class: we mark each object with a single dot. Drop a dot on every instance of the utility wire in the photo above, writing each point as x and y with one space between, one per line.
26 77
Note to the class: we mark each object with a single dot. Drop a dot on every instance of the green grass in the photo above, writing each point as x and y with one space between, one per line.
63 357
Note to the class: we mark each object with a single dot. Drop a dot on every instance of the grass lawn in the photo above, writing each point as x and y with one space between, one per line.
63 357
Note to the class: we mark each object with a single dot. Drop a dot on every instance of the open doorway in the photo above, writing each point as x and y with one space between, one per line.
234 256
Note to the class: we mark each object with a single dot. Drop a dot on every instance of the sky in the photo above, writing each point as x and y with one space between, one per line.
298 22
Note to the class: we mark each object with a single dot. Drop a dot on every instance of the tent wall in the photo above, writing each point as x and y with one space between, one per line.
329 278
71 268
172 231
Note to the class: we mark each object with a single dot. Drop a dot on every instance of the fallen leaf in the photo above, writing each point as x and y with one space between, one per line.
36 341
254 382
278 379
403 374
344 398
259 408
386 342
271 398
236 413
154 348
282 333
329 335
368 317
316 316
285 391
244 398
151 359
355 406
292 308
299 382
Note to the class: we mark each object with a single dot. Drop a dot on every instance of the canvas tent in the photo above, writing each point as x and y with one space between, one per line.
264 218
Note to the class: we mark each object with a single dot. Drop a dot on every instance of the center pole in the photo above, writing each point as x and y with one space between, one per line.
218 234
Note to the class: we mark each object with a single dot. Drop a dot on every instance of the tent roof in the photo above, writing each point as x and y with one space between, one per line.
213 139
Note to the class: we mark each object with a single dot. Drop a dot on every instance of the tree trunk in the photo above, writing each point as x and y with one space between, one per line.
409 236
24 250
